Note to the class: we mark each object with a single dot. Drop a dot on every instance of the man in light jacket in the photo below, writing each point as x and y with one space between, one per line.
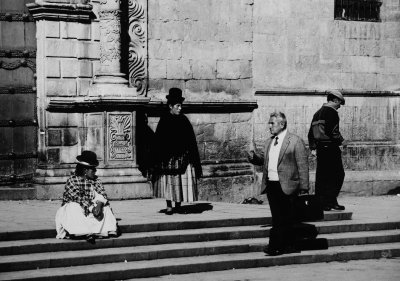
285 175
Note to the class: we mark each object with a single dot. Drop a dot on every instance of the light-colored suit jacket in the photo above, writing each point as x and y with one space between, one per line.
292 165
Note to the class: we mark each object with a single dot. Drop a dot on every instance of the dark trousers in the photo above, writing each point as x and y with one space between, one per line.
281 205
330 174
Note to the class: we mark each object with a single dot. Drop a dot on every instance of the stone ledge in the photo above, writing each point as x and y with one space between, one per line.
305 92
101 103
61 12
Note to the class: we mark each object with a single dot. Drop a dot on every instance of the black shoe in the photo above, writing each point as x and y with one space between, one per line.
327 208
337 207
169 211
91 239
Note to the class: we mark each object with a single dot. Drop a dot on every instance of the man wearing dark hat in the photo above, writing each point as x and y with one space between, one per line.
324 139
85 210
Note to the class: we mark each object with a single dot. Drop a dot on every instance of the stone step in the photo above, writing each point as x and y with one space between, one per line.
158 267
174 250
170 225
179 236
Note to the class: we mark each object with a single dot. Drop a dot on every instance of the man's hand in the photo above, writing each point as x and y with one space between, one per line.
314 152
250 155
98 211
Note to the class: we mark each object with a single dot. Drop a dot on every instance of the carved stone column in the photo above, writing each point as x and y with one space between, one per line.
110 44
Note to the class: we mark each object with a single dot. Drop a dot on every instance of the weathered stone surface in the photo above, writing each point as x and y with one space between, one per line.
88 50
53 68
54 138
52 29
69 68
64 87
63 119
60 48
179 69
204 69
70 136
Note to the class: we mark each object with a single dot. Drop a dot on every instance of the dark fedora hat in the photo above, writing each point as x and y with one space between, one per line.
87 158
175 96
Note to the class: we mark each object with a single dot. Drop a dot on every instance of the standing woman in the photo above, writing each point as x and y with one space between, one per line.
177 158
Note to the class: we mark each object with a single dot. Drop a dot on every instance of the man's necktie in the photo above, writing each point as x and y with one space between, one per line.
276 141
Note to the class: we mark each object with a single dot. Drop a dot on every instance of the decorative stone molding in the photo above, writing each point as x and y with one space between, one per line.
15 17
17 53
138 46
61 12
93 104
120 136
349 93
17 64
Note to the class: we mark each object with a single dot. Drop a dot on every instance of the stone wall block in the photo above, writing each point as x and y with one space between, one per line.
179 69
241 117
54 138
60 48
53 68
220 86
157 69
171 30
55 119
235 51
201 49
69 30
392 65
52 29
95 30
200 30
61 87
85 68
204 69
242 88
53 156
69 68
198 86
159 49
168 9
88 50
228 69
83 86
68 154
70 136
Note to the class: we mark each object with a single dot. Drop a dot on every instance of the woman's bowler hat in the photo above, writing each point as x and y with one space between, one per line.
87 158
175 96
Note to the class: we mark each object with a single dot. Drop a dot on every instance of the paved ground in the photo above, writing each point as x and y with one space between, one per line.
372 270
35 214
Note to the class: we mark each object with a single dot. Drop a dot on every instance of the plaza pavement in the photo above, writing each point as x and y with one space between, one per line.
30 215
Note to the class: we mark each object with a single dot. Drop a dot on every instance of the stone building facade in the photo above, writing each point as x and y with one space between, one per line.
104 65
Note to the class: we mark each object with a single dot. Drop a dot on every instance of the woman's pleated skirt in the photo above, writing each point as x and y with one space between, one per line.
177 188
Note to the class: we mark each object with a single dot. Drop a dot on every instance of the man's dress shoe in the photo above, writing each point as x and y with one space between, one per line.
337 207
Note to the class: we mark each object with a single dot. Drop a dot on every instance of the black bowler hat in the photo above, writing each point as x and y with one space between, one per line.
175 96
87 158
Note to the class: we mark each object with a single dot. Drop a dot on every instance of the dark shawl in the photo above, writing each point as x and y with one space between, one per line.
174 136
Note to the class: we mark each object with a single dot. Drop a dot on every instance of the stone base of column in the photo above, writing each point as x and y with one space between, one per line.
120 183
112 90
110 78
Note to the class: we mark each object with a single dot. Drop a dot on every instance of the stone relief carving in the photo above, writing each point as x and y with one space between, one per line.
138 46
120 137
111 43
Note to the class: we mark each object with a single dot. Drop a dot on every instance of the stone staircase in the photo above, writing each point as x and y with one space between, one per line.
178 247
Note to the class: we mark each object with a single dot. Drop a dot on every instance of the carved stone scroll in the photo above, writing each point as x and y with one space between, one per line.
138 45
120 136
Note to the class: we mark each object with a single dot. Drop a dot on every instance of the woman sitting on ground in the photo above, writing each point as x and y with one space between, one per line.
85 210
